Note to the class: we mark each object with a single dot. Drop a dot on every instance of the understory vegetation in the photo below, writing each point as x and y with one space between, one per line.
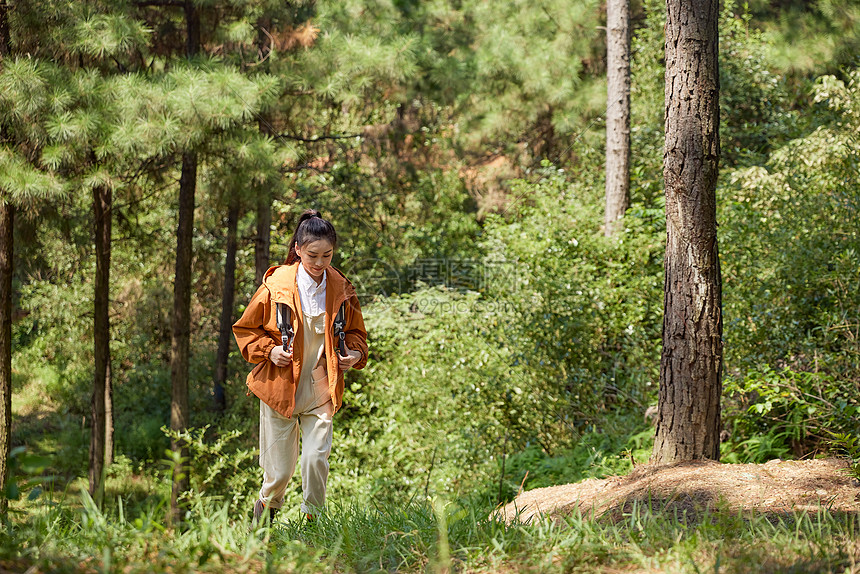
435 536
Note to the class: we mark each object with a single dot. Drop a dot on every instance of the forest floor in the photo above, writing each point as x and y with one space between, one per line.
776 488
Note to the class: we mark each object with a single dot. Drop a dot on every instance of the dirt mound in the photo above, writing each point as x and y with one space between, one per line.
776 487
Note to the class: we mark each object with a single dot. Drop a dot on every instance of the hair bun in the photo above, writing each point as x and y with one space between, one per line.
309 214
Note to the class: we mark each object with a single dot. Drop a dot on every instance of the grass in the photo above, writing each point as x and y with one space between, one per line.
62 531
71 535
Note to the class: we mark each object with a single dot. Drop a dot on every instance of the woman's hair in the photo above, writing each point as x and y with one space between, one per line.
311 227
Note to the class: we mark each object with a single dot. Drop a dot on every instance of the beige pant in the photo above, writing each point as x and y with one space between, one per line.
279 448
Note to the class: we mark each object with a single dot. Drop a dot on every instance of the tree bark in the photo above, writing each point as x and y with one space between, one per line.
262 256
181 339
192 29
264 199
7 220
5 37
688 423
263 239
617 113
180 343
7 224
102 200
109 428
225 332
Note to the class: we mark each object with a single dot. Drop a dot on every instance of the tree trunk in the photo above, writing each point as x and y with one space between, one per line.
108 371
688 423
5 38
225 332
180 343
263 240
262 257
543 136
264 200
109 445
192 29
102 199
7 220
617 113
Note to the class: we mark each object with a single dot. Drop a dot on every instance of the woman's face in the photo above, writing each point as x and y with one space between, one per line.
316 257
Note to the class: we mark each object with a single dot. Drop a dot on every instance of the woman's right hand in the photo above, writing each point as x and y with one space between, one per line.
279 356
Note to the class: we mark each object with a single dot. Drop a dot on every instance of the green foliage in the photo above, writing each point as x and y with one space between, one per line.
646 108
532 350
787 413
816 36
218 466
433 419
102 36
26 474
432 217
848 445
758 112
789 242
526 54
612 448
587 307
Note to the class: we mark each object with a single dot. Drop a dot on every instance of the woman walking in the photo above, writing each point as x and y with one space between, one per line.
303 328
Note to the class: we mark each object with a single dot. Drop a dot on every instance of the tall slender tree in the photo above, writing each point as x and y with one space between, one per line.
92 163
181 339
263 235
102 206
225 331
617 113
688 422
7 221
23 182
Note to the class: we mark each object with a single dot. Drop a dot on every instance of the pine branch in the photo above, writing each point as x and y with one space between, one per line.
145 3
302 167
318 138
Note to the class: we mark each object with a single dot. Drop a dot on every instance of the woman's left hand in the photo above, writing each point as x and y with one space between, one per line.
344 363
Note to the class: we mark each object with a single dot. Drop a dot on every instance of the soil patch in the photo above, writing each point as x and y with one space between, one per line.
776 487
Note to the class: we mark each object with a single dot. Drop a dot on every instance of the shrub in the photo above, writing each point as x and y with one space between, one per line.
773 414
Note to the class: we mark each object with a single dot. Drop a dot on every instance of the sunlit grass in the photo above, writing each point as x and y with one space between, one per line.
72 535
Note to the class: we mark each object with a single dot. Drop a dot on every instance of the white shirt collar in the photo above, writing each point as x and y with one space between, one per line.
311 295
308 283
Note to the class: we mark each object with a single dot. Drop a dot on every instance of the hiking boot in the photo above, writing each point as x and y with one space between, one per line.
260 509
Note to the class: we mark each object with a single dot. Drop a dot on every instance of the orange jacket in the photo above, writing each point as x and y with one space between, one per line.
257 333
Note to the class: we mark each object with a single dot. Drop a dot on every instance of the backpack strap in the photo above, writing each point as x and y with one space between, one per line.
285 324
339 325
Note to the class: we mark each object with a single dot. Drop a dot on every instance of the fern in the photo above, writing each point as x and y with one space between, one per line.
848 445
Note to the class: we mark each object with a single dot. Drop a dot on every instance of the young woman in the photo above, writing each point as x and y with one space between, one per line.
300 386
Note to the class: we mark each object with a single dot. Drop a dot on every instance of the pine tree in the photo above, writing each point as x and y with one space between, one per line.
688 422
182 280
99 42
211 102
7 223
515 72
617 113
24 86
